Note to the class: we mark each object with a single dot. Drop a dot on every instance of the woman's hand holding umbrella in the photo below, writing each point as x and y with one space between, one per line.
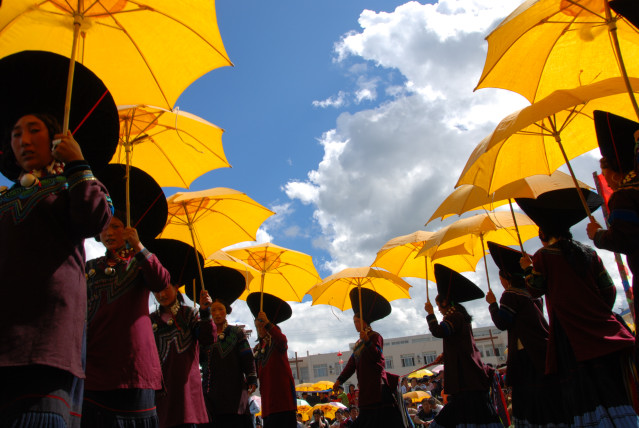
428 307
205 300
66 149
132 238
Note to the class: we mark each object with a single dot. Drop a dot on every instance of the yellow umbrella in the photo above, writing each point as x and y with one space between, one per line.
418 374
143 51
213 219
305 387
468 197
323 385
545 45
222 258
398 257
329 409
473 231
174 147
335 289
284 273
541 137
416 396
303 408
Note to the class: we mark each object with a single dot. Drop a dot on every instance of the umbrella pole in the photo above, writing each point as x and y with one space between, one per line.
483 249
574 178
194 293
67 100
127 149
512 211
361 317
262 291
426 266
197 260
612 29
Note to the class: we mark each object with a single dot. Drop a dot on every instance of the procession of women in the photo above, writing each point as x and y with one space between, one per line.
141 336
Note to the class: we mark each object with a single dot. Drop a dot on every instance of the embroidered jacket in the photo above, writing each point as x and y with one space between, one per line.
182 401
42 260
121 351
228 369
277 387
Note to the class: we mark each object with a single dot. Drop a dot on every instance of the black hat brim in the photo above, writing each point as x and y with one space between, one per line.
148 207
375 306
179 259
276 309
455 287
629 9
615 136
559 210
506 258
222 283
36 81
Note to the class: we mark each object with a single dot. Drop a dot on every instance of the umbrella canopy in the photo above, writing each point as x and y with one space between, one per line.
148 209
329 409
324 385
468 197
222 258
525 143
93 118
335 289
398 257
174 147
416 396
213 219
418 374
498 227
545 45
284 273
145 52
305 387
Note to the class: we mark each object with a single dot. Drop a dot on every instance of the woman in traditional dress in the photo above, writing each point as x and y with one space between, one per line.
179 332
277 387
377 406
535 397
588 348
616 138
229 375
41 368
123 367
466 379
55 203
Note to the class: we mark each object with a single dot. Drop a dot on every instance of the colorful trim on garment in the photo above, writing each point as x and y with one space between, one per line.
19 201
180 333
113 285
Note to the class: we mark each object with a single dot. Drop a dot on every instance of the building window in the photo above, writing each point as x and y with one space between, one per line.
320 370
429 357
388 363
304 374
408 360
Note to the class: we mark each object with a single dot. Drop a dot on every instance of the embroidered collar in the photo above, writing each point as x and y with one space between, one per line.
122 255
629 178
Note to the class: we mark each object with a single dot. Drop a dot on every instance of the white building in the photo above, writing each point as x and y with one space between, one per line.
403 355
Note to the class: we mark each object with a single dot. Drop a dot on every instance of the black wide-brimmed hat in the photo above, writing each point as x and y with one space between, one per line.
559 210
615 136
148 206
628 9
375 306
36 82
276 309
222 283
179 259
506 258
455 287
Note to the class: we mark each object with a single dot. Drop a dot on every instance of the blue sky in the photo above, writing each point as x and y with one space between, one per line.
352 119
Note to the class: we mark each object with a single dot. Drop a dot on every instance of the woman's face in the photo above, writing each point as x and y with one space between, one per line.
167 296
358 323
612 178
31 143
441 307
113 236
218 313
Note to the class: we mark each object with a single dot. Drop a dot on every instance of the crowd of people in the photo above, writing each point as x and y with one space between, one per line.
85 351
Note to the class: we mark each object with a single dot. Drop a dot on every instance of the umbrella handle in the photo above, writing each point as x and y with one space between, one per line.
361 317
483 249
512 211
262 292
67 100
574 178
426 266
